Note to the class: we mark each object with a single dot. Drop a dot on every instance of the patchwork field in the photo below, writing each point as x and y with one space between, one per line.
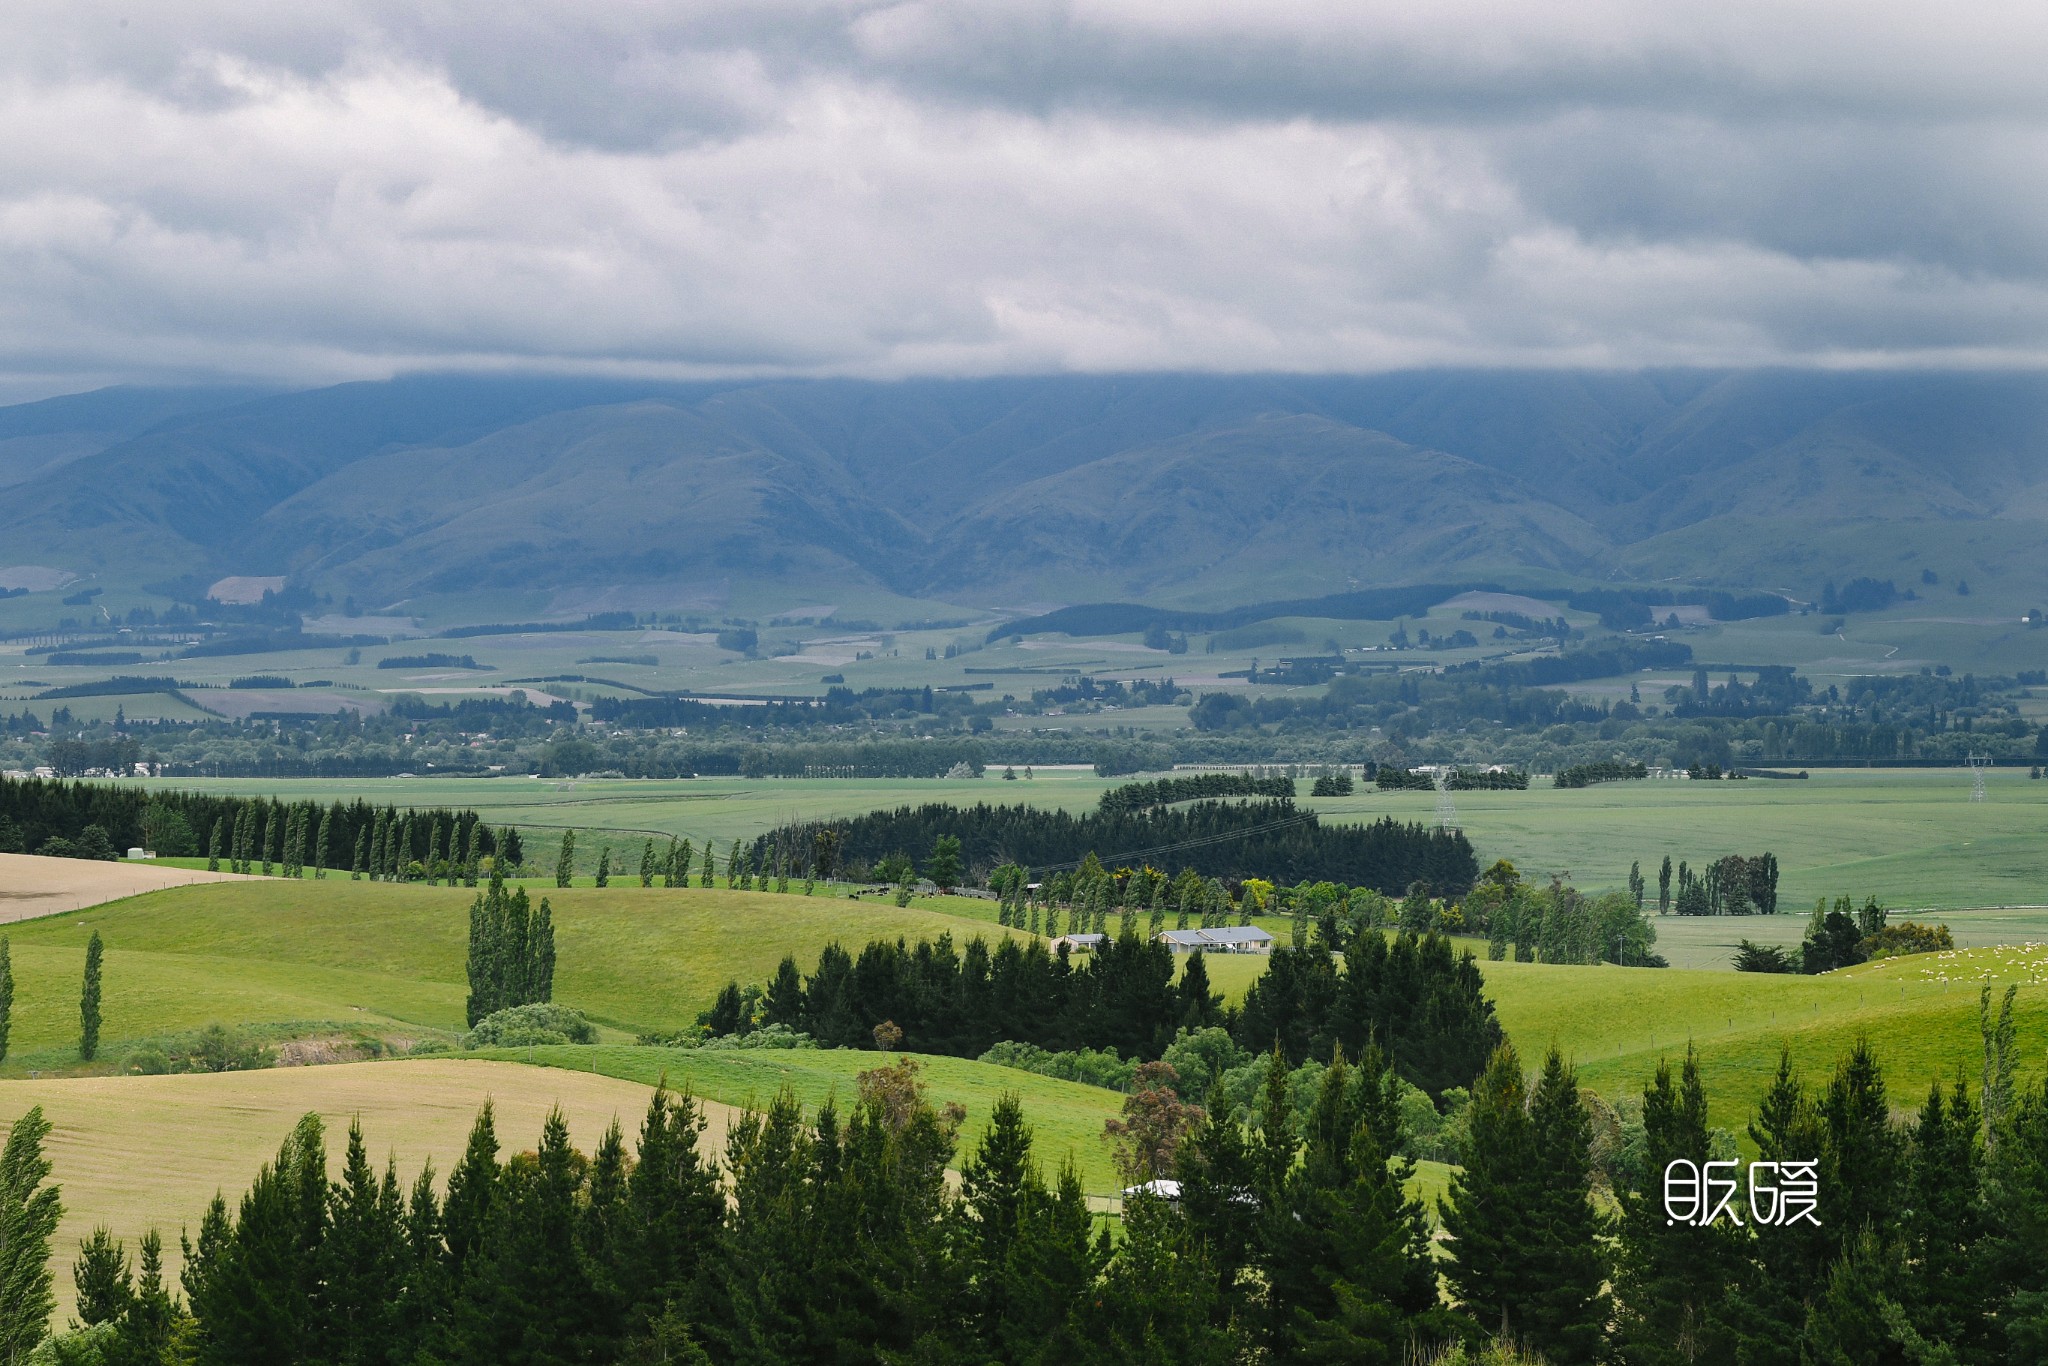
1911 837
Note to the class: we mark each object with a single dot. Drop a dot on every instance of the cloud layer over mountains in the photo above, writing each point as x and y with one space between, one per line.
983 186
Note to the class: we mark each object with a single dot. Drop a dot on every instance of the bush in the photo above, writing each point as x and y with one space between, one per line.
1103 1067
148 1061
526 1026
425 1047
1765 958
220 1049
767 1036
1896 941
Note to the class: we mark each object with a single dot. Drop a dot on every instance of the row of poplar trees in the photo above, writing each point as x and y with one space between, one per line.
300 838
838 1237
511 950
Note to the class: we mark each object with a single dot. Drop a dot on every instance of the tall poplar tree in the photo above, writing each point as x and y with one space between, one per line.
29 1211
565 861
89 1001
6 996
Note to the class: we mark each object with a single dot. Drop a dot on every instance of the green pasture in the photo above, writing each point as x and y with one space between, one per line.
1910 837
390 958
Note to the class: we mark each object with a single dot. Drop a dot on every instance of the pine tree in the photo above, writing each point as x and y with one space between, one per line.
6 996
146 1329
29 1210
1566 1316
527 1296
1671 1280
105 1286
361 1261
565 862
1490 1213
473 1193
647 864
89 1001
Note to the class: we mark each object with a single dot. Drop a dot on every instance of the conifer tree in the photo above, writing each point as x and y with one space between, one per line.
473 1191
213 844
89 1001
6 996
604 866
647 864
1490 1212
105 1286
527 1285
710 863
269 836
362 858
1566 1316
669 877
152 1316
434 855
565 862
375 868
1670 1278
401 849
29 1210
361 1261
473 855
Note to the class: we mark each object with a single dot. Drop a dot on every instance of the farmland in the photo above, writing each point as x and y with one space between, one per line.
1911 837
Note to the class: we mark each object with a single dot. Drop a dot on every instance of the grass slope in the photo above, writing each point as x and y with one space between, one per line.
378 954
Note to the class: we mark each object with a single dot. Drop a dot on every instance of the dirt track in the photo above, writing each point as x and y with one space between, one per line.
31 885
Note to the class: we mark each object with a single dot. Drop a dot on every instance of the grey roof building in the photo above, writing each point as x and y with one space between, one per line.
1222 939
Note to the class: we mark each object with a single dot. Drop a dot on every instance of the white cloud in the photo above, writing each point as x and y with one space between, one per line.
939 187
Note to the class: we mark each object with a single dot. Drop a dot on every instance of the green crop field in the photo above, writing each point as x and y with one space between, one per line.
1911 837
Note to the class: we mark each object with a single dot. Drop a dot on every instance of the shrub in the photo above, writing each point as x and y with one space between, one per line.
767 1036
149 1061
220 1049
1103 1067
1896 941
1765 958
525 1026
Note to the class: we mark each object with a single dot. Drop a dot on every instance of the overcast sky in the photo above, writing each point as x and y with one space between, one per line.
307 193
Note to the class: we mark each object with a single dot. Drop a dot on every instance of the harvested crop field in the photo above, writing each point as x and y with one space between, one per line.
133 1153
31 885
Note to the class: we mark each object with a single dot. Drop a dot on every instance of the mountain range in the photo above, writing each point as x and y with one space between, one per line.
1177 489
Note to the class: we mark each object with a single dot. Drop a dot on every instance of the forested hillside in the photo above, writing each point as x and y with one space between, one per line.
1200 491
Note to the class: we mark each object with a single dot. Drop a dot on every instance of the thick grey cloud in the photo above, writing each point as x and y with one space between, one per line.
973 186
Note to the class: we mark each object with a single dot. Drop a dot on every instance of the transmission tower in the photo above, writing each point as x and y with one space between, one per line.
1977 763
1446 809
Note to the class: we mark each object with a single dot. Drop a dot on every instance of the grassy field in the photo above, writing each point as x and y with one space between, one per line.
390 957
1911 837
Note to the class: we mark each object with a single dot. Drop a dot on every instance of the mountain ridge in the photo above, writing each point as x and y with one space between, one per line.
1181 489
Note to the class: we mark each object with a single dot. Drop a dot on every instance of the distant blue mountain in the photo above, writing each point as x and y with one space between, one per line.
1172 489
